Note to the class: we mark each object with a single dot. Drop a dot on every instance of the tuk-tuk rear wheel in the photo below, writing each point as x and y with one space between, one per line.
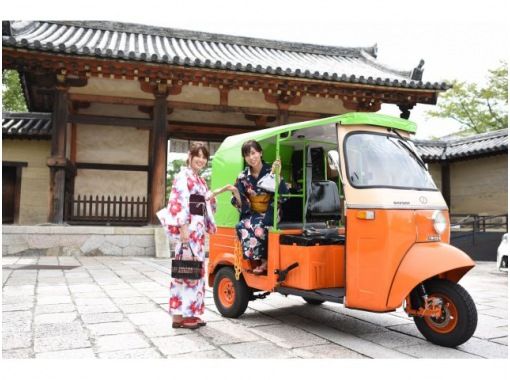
231 296
312 301
459 317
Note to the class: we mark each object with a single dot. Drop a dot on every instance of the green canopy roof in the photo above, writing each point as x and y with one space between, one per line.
228 162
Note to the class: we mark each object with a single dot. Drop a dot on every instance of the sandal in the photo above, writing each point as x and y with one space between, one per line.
199 321
261 268
186 323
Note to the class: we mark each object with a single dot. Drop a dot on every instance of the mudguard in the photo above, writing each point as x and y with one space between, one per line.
423 261
222 259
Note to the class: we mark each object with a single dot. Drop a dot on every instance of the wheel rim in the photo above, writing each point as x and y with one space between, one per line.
449 318
226 292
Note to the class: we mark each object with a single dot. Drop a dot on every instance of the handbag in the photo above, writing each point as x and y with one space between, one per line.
267 182
187 269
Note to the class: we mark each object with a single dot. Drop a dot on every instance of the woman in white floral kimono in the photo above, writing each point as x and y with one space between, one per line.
188 225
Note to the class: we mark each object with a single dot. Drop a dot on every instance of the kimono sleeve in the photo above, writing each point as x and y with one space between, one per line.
282 189
244 207
178 204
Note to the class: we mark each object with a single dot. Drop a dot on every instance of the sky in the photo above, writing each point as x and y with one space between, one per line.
457 39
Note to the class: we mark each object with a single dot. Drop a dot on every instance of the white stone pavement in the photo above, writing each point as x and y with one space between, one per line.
116 307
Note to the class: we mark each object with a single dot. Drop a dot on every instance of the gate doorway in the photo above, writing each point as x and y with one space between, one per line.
11 190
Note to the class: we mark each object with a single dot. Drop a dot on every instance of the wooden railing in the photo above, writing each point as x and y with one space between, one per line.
107 210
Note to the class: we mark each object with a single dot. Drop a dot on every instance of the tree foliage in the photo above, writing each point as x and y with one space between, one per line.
478 109
12 96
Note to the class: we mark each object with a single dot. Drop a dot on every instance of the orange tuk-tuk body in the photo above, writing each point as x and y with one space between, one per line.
363 225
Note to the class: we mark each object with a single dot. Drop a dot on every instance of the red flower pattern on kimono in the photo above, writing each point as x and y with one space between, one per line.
175 302
196 308
174 207
190 184
173 230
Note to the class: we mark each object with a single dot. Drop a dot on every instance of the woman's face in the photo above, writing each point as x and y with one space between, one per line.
253 158
197 163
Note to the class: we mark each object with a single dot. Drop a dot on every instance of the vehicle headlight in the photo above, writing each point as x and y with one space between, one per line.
439 221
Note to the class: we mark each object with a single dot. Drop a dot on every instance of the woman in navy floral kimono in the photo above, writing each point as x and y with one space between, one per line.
255 205
188 226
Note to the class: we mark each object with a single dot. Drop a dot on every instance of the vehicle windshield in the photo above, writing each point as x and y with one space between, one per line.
380 160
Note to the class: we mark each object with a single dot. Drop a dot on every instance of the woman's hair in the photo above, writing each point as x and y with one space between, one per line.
194 150
245 149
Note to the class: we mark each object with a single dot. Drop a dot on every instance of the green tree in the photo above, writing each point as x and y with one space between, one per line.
173 168
478 109
12 96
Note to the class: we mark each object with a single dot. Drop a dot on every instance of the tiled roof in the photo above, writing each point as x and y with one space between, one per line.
472 146
215 51
32 125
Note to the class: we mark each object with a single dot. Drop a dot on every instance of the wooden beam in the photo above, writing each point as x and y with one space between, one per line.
15 163
220 129
110 120
120 167
445 182
203 136
195 106
111 99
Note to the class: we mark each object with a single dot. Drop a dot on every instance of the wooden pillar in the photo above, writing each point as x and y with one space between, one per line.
57 161
158 156
445 182
283 113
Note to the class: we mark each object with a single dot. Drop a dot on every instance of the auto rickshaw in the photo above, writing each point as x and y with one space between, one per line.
364 225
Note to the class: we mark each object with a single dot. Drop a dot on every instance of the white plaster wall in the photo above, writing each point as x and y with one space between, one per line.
120 110
35 177
243 98
112 145
110 182
320 105
112 87
197 94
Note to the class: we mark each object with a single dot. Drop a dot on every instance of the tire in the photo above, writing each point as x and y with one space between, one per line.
231 296
459 318
312 301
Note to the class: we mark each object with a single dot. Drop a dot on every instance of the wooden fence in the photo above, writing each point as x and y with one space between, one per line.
108 210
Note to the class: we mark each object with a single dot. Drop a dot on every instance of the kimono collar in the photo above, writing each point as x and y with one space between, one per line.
266 168
189 172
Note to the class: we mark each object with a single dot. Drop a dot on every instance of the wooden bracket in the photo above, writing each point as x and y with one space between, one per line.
282 99
58 162
362 104
406 110
160 87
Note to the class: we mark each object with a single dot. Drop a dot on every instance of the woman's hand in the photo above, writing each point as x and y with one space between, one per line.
277 165
209 195
235 192
184 234
212 194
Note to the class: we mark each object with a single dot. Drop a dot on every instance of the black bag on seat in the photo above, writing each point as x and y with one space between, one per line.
307 241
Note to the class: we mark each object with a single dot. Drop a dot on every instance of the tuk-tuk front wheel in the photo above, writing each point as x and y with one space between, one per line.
231 296
458 319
